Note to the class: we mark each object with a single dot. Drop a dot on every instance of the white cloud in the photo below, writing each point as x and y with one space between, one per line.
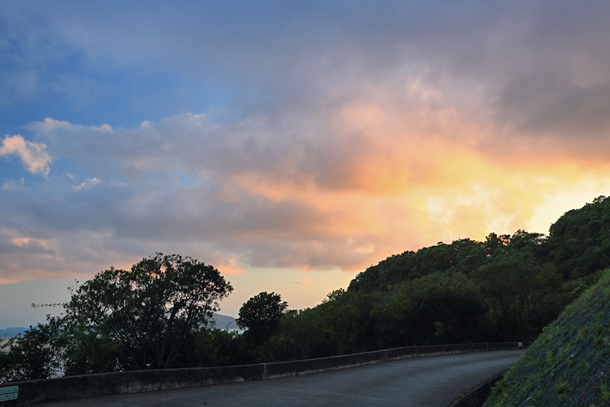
13 184
33 155
86 183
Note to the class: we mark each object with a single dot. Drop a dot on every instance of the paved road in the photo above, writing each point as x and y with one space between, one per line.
430 381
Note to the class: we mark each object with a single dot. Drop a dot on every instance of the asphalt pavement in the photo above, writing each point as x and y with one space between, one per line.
428 381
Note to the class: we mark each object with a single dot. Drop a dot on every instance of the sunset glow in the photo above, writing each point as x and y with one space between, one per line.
288 145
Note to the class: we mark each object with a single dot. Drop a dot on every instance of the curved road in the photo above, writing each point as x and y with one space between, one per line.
429 381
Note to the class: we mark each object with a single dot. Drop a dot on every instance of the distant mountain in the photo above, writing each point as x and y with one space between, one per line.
7 333
224 322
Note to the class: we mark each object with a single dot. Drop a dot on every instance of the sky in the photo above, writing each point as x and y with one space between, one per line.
289 144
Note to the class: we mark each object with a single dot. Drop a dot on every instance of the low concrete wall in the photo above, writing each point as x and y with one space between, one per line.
72 387
479 395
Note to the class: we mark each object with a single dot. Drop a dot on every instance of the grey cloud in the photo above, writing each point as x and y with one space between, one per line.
284 58
556 80
113 223
551 104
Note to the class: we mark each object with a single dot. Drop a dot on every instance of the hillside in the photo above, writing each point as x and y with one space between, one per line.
569 363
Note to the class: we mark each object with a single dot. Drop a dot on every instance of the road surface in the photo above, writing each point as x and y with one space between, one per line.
429 381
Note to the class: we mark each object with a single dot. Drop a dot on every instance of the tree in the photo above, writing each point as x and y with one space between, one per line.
261 314
141 318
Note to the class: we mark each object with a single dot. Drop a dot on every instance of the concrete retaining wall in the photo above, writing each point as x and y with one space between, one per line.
72 387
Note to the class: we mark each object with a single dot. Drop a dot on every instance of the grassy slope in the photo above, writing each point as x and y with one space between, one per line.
569 363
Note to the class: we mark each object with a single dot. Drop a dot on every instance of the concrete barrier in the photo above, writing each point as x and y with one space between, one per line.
479 395
71 387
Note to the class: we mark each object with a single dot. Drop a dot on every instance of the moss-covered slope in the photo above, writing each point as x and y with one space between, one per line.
569 363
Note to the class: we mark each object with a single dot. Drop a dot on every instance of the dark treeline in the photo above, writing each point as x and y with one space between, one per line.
505 288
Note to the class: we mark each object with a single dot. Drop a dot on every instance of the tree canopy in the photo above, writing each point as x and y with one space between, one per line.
145 314
261 314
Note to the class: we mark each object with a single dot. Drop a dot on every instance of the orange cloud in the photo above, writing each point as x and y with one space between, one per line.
230 267
388 180
305 281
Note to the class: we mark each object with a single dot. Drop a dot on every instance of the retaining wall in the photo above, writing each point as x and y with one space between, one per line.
71 387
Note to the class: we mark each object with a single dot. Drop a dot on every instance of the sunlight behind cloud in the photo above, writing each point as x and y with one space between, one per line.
382 186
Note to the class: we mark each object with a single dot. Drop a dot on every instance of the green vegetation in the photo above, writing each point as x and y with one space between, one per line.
569 363
506 288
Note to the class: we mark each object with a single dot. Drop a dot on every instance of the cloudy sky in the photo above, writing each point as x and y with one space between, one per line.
289 144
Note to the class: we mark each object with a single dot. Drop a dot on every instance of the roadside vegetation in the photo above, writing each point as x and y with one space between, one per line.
505 288
569 363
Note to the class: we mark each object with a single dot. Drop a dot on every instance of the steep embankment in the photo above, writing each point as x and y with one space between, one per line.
569 363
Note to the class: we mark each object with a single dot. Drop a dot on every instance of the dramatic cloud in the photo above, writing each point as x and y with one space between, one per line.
272 139
252 194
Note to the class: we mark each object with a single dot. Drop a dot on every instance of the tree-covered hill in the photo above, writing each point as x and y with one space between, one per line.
569 363
578 245
505 288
